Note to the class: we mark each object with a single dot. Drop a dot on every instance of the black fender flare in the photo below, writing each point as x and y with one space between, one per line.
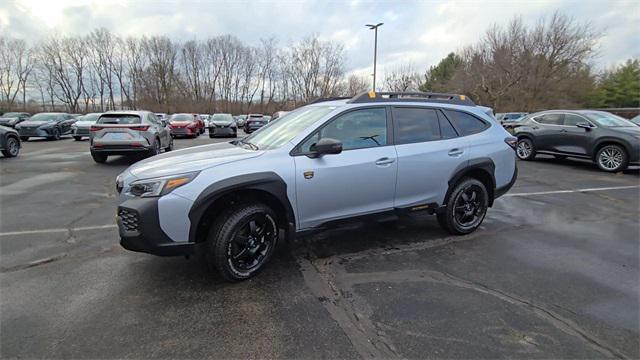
483 164
268 182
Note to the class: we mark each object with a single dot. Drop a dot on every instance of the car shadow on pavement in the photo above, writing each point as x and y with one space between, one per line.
580 164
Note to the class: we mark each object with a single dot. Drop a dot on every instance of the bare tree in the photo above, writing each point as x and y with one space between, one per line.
402 78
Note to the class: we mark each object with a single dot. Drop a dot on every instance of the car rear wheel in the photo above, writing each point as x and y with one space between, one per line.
99 158
24 138
525 149
77 138
466 207
242 241
612 158
12 147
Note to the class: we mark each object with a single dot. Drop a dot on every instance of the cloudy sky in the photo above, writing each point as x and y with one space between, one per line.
420 33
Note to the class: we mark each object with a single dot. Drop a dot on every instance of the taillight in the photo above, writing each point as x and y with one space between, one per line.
140 128
511 141
95 128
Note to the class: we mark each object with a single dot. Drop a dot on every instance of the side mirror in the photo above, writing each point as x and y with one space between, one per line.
326 146
584 125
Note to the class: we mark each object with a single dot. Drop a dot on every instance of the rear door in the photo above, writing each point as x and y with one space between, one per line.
546 130
429 151
572 139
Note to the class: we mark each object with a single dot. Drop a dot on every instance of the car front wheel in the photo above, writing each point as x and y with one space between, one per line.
77 138
612 158
242 241
56 134
12 147
24 138
466 207
525 149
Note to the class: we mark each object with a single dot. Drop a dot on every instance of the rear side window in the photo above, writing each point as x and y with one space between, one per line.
464 123
122 119
413 125
446 129
550 119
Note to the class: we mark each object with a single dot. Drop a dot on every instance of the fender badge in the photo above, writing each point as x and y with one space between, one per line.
308 174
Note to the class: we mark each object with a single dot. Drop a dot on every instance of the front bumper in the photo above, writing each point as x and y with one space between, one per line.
139 228
223 131
183 131
33 132
81 132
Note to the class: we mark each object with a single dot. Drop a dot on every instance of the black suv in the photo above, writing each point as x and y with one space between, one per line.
610 141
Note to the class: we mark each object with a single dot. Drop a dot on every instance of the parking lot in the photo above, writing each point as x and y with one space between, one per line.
552 273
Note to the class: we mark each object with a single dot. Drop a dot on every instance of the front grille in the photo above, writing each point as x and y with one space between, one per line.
179 130
129 219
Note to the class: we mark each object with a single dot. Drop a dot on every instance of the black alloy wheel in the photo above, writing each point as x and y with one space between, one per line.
466 207
241 242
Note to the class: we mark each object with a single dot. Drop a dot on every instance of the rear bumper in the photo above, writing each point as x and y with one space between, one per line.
139 228
504 189
119 149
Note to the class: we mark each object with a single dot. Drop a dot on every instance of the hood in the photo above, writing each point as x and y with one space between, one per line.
192 159
180 123
29 123
222 123
84 123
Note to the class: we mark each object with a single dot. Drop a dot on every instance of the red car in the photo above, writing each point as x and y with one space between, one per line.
188 125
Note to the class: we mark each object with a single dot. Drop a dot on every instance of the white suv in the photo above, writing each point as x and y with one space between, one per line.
323 163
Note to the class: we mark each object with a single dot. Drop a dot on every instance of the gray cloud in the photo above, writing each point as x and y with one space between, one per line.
420 33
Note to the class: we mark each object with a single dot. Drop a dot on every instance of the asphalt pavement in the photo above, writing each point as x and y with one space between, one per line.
552 273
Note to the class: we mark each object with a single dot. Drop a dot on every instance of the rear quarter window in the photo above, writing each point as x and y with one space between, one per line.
465 124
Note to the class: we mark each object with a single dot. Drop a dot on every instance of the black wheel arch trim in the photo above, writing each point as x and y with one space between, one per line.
268 182
483 164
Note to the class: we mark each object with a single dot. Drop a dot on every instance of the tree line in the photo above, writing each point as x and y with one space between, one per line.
103 71
512 68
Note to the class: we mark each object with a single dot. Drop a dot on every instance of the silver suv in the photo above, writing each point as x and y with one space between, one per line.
374 154
129 132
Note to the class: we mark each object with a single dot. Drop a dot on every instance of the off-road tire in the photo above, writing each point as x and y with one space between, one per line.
223 231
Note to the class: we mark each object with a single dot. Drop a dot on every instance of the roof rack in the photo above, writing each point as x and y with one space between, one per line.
372 97
318 100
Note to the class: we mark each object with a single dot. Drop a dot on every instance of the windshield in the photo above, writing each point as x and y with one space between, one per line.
222 117
636 120
45 117
608 120
11 115
278 133
181 117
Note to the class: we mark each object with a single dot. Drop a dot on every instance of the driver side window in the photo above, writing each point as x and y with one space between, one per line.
356 129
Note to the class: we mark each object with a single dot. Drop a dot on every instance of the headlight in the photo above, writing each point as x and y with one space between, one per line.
159 186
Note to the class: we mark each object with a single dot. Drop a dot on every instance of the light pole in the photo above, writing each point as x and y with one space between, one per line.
375 50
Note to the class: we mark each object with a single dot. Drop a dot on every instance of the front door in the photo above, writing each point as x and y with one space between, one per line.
360 180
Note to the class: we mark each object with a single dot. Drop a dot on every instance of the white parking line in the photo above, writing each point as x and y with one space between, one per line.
47 231
574 191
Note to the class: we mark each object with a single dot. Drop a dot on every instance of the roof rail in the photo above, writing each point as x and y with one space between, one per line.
372 97
318 100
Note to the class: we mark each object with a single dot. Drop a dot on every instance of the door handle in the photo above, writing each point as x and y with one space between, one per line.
535 127
455 152
384 161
